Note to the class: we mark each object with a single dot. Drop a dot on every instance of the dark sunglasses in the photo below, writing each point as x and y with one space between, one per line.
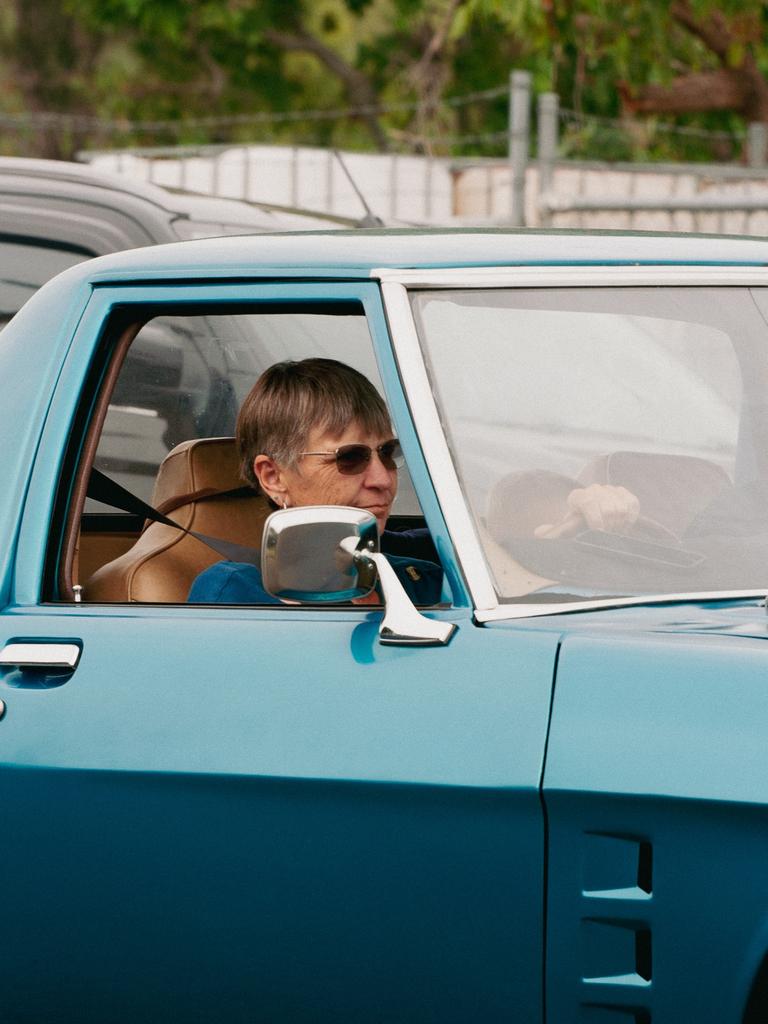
353 458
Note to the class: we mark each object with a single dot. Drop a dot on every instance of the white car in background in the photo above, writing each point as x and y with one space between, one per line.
55 214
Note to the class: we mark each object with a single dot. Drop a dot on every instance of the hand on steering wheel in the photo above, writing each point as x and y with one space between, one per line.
604 507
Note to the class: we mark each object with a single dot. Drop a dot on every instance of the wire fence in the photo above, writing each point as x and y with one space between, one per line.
30 132
80 122
588 136
501 155
470 124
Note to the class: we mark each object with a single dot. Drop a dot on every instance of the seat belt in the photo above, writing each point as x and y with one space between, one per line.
109 492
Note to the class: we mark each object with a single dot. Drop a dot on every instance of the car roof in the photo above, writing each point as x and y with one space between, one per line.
358 253
59 179
57 175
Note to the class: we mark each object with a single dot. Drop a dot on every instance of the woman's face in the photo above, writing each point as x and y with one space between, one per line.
315 479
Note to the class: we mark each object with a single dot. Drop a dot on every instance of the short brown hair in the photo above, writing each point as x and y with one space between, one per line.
291 398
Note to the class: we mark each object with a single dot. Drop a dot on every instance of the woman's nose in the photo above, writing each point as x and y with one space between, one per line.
377 474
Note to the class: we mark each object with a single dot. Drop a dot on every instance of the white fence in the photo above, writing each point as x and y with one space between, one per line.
549 192
397 188
615 196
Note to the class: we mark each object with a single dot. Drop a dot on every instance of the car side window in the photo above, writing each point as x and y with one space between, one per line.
27 263
168 422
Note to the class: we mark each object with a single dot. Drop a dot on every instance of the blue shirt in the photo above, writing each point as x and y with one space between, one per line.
240 583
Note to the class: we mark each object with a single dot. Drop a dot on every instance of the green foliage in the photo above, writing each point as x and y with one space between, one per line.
187 60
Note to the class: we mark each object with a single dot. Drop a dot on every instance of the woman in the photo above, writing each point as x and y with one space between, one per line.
316 432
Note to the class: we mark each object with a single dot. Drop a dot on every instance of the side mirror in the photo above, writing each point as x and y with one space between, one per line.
320 554
308 553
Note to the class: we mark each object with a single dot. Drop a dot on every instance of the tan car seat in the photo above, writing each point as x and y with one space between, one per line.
191 489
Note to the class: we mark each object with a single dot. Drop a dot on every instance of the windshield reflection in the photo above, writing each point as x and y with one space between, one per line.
610 441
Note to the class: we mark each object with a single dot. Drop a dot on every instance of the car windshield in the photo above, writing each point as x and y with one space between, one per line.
610 441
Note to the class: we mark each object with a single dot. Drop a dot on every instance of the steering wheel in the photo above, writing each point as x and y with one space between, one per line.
646 528
646 542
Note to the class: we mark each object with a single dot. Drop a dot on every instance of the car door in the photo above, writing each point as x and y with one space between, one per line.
261 814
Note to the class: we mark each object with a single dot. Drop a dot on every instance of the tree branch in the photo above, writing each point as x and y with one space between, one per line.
218 78
713 32
359 89
746 80
437 40
708 90
429 74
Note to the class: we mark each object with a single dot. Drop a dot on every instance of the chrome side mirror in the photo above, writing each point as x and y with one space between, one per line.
303 557
330 553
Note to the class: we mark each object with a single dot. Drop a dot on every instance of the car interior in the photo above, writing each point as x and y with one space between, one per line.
162 428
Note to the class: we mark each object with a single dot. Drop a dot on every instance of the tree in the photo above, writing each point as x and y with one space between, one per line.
733 46
391 61
233 55
206 71
47 59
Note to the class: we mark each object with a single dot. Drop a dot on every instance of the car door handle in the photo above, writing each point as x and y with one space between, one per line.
30 654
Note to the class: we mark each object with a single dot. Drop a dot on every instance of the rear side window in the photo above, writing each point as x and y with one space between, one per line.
26 264
162 428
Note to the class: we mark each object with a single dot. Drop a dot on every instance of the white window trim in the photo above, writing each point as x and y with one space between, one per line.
574 277
436 453
395 284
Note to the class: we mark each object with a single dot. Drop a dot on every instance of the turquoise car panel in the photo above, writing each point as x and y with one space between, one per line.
655 789
246 900
233 792
373 816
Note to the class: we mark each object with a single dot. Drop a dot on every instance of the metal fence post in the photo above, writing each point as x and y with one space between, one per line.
757 136
294 176
246 182
548 114
427 188
519 142
393 186
330 160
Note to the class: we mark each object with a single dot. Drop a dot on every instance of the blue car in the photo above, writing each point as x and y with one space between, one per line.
541 798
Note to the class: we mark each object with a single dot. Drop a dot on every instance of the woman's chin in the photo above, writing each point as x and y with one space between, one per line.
381 522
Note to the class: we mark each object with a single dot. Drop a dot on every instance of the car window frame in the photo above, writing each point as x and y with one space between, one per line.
396 287
39 547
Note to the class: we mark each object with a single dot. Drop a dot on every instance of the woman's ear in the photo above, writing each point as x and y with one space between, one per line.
267 472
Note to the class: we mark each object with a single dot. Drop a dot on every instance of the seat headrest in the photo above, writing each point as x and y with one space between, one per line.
208 465
199 485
